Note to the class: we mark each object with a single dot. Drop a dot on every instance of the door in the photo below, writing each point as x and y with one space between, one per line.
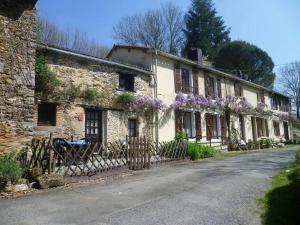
253 124
286 130
93 125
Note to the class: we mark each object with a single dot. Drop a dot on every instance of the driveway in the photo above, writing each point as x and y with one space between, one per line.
222 191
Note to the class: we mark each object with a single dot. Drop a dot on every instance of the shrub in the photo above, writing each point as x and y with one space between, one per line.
180 135
9 171
125 98
46 82
92 95
199 151
298 157
72 91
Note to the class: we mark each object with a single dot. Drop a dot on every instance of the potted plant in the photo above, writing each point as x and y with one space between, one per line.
268 142
230 146
250 144
257 144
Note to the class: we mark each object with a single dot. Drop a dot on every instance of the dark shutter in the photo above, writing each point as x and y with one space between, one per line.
259 127
177 78
267 127
178 120
207 86
195 82
223 127
198 125
209 124
219 88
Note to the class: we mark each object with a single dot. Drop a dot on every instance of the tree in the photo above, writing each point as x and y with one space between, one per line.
289 82
248 58
204 29
49 33
158 28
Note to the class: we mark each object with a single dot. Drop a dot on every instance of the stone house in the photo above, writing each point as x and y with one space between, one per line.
189 78
103 120
17 60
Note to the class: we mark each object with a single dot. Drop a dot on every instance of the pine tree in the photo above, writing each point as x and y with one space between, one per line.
204 29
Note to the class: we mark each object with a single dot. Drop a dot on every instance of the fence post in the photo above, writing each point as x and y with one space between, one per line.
50 154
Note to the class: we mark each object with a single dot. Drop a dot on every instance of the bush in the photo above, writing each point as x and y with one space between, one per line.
180 135
125 98
9 171
72 91
46 82
298 157
91 94
199 151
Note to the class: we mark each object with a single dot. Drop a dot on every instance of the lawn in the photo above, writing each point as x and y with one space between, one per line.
281 204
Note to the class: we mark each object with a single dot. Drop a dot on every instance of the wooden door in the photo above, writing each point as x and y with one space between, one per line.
93 125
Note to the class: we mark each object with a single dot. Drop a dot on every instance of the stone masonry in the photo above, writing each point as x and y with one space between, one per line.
70 117
17 61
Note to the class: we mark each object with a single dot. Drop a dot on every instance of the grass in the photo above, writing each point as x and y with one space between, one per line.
281 204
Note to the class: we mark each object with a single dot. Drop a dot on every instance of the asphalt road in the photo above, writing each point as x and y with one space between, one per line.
222 191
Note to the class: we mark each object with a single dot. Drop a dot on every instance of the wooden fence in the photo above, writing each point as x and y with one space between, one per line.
58 156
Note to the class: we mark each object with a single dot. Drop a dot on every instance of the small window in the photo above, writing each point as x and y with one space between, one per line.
276 128
132 128
126 82
46 114
212 82
237 90
186 81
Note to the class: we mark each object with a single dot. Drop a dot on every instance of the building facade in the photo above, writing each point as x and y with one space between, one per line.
255 111
85 102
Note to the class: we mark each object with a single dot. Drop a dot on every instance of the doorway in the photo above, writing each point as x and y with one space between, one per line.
286 130
93 125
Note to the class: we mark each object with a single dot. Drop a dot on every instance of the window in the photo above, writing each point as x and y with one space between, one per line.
237 90
259 125
186 81
242 127
276 128
215 120
213 87
274 102
187 124
132 128
46 114
126 82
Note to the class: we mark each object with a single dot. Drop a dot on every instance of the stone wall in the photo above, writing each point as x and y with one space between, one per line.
70 118
17 60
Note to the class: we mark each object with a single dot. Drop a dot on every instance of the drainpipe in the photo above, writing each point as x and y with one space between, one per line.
155 96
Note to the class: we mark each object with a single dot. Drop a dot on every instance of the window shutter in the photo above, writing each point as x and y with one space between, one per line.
209 124
198 125
259 127
223 127
219 88
177 78
267 127
178 120
207 86
195 82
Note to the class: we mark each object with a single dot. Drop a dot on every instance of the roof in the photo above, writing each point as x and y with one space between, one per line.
95 59
193 63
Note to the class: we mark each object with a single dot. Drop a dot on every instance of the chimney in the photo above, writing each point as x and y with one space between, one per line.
195 54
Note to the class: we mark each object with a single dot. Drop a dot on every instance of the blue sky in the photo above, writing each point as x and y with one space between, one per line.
273 25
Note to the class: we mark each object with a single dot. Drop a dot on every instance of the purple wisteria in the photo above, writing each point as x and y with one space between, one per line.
189 101
146 103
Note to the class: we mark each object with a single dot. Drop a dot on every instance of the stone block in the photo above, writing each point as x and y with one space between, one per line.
50 180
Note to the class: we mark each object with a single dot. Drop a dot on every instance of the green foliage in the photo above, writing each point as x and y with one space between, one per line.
180 135
46 82
204 28
72 91
280 205
199 151
9 171
251 60
125 98
92 95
